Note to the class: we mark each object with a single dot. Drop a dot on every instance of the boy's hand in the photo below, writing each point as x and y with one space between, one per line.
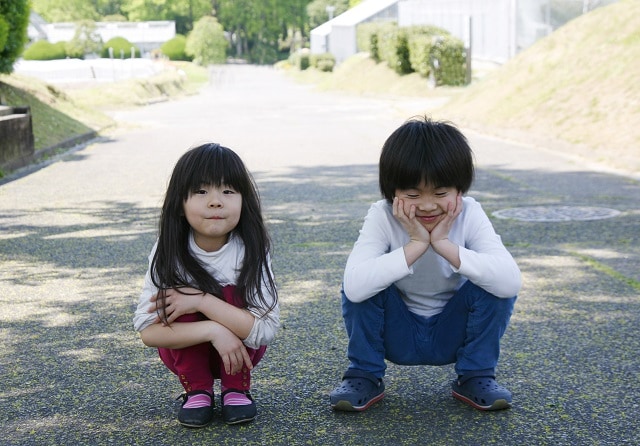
410 223
441 230
177 302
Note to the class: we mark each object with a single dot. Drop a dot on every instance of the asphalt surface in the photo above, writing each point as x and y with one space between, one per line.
75 235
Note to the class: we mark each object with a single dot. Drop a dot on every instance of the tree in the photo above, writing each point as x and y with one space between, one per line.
183 12
85 40
65 10
318 13
258 27
14 19
207 43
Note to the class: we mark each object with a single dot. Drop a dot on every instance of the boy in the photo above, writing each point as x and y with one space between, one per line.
428 280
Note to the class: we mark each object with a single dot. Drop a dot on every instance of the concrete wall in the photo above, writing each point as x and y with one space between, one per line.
16 137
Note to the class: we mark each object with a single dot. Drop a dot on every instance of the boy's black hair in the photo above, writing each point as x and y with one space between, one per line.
173 264
421 149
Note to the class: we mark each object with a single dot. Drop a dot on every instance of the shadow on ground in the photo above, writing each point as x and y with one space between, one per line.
74 372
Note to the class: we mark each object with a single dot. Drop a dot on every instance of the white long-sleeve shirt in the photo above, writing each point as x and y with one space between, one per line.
378 261
224 264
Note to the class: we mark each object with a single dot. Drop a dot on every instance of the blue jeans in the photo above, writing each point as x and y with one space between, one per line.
467 332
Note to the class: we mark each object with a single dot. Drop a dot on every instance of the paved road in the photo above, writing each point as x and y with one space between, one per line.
74 237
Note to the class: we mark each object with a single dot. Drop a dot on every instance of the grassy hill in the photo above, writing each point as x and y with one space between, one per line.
575 91
579 85
60 113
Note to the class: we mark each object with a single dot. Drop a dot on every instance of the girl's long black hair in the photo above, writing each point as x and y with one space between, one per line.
173 265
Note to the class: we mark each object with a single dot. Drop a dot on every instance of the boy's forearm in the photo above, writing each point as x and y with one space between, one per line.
449 250
178 334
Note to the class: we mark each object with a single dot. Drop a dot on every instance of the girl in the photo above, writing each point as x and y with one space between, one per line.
209 302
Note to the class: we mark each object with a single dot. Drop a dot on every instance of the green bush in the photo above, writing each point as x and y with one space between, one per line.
4 32
44 50
427 50
420 41
371 37
14 16
121 48
300 59
323 62
449 61
174 49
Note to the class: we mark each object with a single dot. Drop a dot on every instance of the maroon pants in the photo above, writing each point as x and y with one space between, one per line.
198 365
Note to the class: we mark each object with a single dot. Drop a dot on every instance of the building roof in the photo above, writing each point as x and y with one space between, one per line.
355 15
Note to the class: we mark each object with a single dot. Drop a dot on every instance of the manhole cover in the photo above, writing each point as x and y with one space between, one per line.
556 213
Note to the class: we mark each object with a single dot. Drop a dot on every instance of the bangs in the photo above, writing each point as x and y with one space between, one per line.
435 153
213 165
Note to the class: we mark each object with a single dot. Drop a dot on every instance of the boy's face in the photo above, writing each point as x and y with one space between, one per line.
430 203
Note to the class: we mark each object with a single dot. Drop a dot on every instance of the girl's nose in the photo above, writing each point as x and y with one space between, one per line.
214 201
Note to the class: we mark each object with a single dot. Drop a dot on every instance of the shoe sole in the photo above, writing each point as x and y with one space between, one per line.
346 406
194 426
497 404
243 420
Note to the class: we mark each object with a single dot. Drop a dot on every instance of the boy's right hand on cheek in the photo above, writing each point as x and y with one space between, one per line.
410 223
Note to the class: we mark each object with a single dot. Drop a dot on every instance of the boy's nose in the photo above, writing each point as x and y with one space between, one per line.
426 205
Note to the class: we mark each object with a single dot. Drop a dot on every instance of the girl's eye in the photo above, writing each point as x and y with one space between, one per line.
229 191
200 192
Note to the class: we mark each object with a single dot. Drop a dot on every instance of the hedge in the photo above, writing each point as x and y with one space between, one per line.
44 50
174 49
121 48
427 50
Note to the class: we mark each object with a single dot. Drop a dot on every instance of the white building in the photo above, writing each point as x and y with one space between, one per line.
495 30
338 35
146 36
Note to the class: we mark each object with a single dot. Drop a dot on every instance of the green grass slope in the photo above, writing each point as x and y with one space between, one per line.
61 113
578 85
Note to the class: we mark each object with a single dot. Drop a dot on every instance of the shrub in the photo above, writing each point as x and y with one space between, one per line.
4 32
323 62
174 49
300 59
449 61
121 48
420 41
44 50
371 36
14 18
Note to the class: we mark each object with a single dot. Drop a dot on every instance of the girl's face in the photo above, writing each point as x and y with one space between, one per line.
213 212
430 203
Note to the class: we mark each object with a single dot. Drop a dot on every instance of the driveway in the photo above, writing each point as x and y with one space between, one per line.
75 235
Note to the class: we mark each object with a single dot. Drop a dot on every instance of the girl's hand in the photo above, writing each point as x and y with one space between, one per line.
441 230
177 302
410 223
232 351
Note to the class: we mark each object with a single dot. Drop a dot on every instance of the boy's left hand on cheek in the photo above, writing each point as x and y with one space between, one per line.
441 230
